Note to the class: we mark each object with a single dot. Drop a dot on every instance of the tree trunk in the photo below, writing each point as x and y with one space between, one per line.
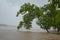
58 30
47 30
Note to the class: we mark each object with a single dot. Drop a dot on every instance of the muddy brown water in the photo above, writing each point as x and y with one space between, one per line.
17 35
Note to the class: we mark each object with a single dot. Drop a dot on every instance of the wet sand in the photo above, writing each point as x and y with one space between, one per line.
17 35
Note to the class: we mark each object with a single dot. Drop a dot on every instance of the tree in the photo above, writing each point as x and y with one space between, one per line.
47 16
30 12
44 22
57 21
56 14
28 16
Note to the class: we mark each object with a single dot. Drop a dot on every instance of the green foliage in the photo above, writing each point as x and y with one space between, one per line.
38 11
28 11
20 25
57 20
45 21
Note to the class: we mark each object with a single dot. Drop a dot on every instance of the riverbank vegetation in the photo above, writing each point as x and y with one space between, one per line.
47 16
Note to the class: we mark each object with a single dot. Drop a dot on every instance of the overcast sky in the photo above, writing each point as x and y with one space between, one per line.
9 8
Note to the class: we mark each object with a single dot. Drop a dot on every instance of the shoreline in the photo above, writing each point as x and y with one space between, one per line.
19 35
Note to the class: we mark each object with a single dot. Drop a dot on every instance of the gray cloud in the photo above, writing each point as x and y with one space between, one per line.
20 2
8 13
9 8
